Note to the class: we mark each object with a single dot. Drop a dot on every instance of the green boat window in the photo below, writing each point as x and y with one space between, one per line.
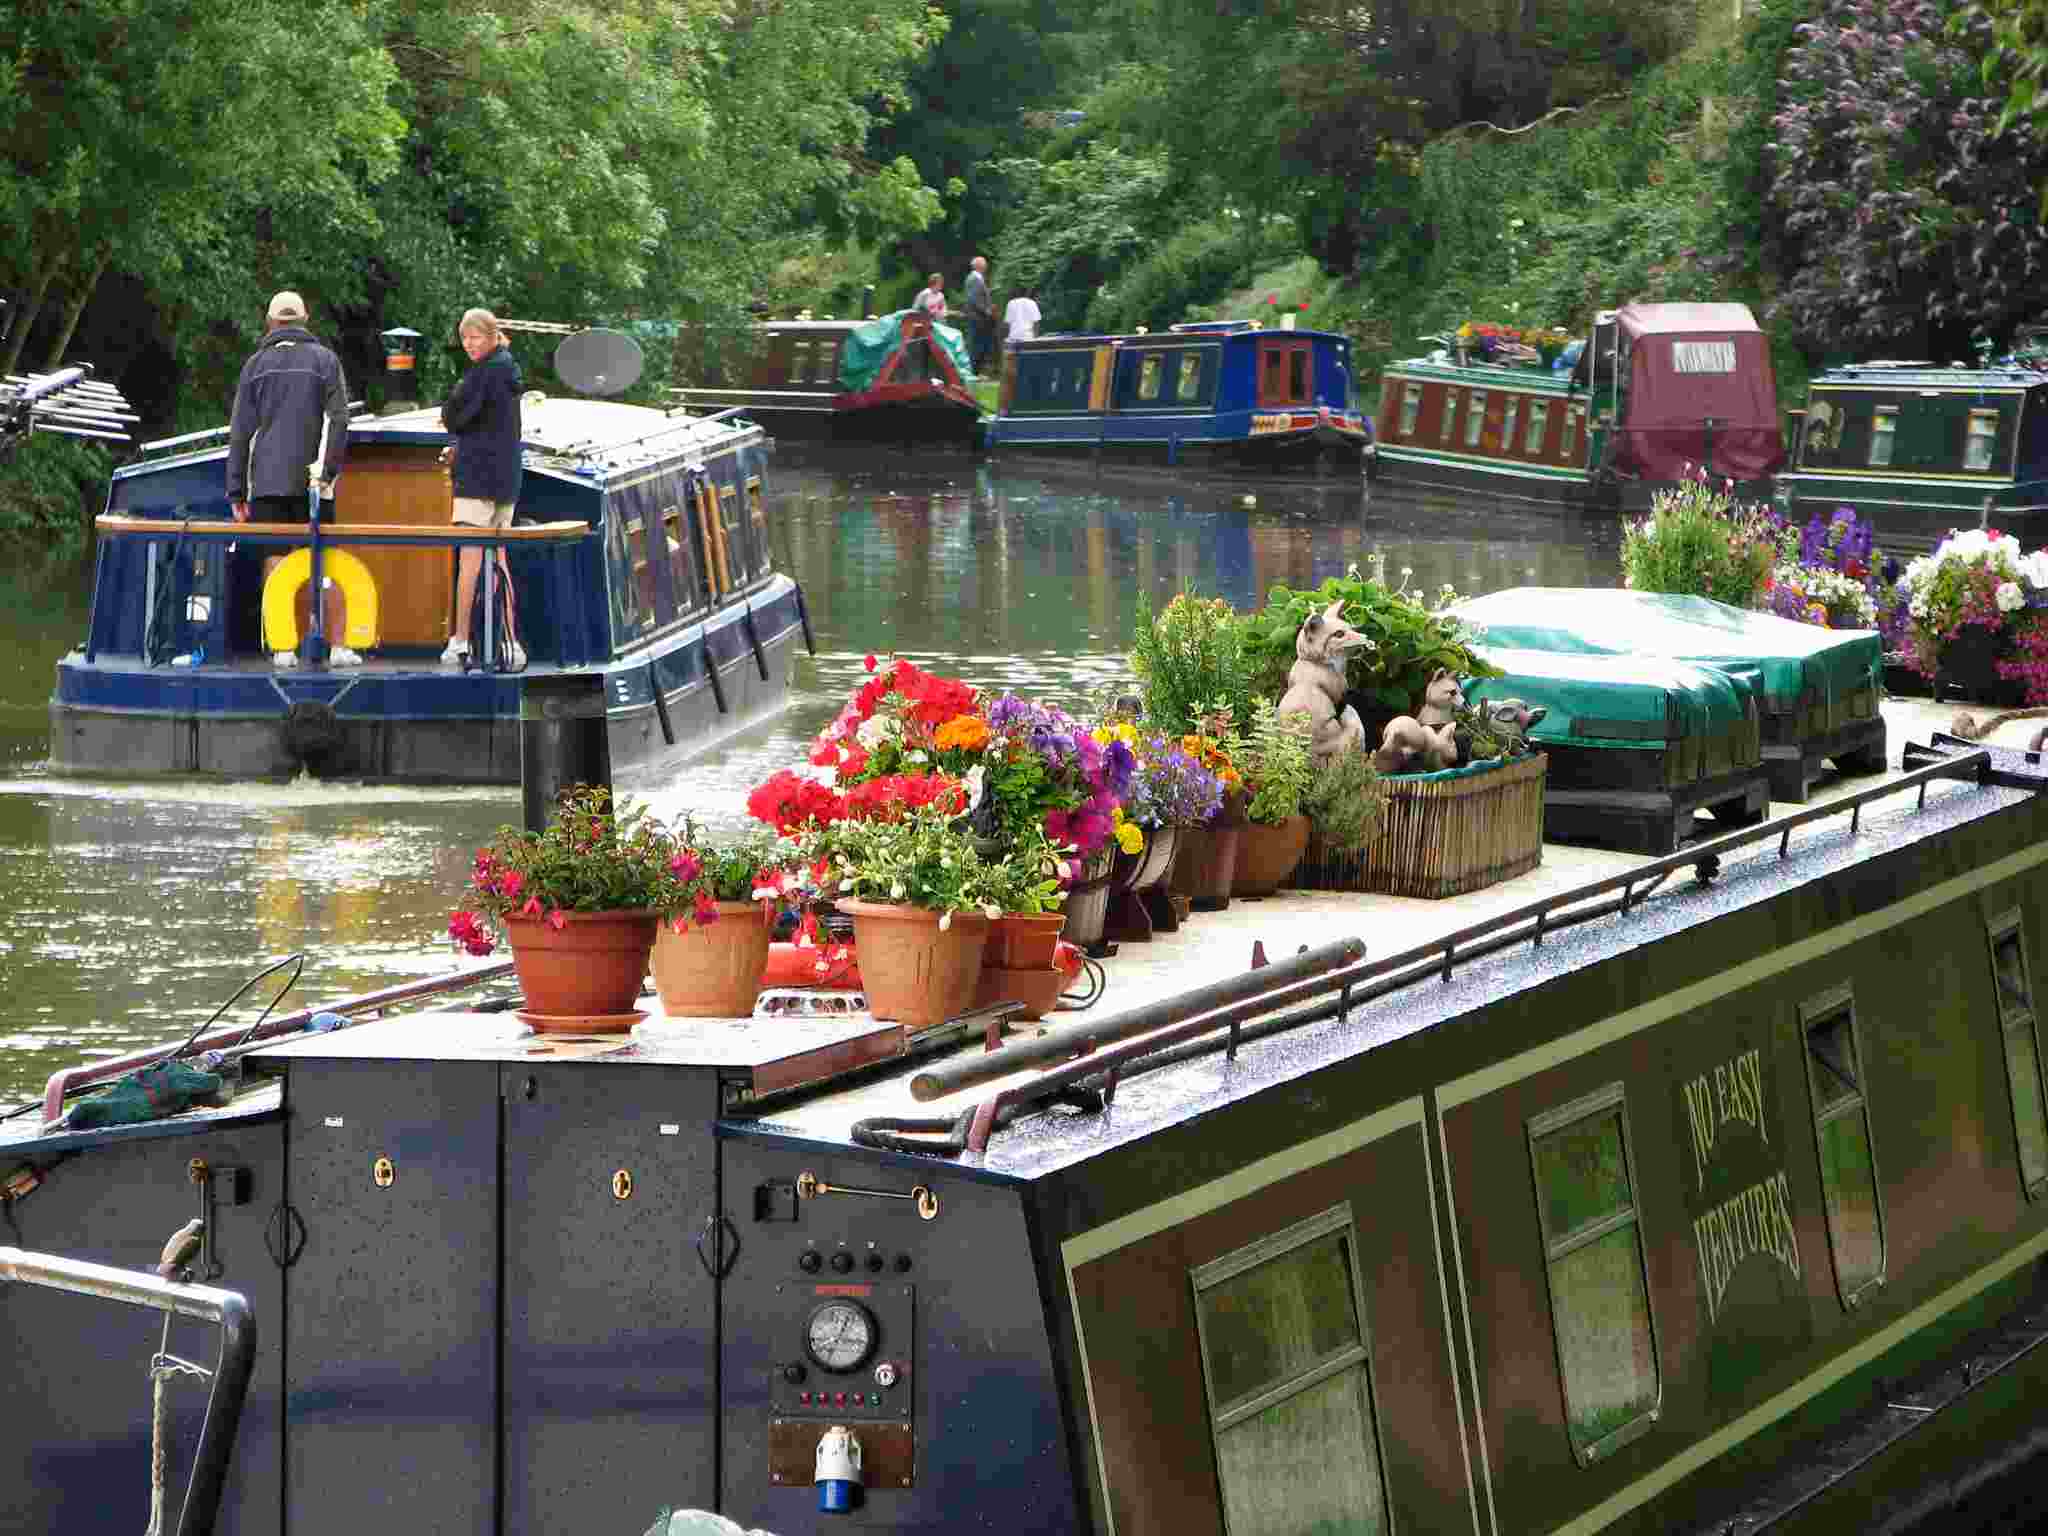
1841 1120
1570 445
1450 414
1411 407
1286 1362
1475 416
1507 422
1882 431
1982 439
1539 420
1599 1290
2021 1034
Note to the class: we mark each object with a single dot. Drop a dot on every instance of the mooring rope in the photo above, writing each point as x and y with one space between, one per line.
163 1365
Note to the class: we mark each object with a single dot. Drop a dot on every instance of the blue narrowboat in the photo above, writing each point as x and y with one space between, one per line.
1211 388
641 575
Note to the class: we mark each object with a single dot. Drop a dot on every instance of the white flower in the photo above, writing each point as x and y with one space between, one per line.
875 730
896 890
945 921
918 756
991 911
2010 597
2035 569
974 781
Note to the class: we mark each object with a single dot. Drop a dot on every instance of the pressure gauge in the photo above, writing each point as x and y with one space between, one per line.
840 1335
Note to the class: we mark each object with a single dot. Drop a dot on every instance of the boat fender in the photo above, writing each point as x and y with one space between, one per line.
281 592
312 733
838 1475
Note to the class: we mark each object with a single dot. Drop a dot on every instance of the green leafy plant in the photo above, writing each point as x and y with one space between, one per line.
1192 657
1343 799
1702 541
1410 639
1275 762
927 859
1026 878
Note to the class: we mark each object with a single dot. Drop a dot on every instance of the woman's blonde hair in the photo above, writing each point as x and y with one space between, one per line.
481 320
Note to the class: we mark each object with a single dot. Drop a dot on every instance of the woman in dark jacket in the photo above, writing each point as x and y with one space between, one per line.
483 417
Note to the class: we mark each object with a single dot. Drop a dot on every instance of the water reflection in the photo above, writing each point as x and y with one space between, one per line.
129 911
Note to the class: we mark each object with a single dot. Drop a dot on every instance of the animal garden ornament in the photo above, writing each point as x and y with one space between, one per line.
1315 683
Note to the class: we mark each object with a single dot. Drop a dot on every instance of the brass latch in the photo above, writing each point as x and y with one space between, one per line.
622 1185
809 1186
382 1173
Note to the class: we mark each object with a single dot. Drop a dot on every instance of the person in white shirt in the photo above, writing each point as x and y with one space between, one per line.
1021 317
932 297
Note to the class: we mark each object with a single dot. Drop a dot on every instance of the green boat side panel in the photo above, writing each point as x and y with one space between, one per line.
1597 699
1788 662
868 346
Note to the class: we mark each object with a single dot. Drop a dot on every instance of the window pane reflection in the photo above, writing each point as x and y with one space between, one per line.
1280 1477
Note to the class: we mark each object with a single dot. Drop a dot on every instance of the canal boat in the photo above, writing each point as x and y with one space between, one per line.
1698 1193
1918 449
1657 392
1202 390
899 377
643 581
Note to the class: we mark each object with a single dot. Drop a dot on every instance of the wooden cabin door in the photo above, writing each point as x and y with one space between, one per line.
415 587
1287 373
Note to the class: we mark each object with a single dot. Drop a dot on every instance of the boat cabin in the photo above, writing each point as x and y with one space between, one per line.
1206 387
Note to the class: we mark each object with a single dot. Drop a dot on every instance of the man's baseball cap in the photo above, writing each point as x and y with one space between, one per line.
287 306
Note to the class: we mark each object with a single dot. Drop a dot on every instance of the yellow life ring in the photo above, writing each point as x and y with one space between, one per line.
281 593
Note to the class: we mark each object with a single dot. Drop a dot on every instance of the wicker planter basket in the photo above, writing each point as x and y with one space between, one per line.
1442 835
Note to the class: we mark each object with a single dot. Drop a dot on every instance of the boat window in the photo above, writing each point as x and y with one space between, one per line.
1052 381
757 524
827 365
1982 440
1599 1292
1507 422
1150 370
2014 981
1570 445
1287 1365
1297 375
1882 432
1539 421
1411 407
1475 415
1270 364
1841 1120
799 360
630 616
1189 390
739 561
685 577
1443 432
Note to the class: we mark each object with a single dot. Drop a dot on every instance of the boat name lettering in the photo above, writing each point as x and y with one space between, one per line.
843 1290
1757 1220
1734 1090
1703 356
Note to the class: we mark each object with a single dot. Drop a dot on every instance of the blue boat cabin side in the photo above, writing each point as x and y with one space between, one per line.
1209 382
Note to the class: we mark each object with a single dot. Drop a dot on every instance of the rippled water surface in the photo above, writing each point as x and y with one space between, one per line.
131 910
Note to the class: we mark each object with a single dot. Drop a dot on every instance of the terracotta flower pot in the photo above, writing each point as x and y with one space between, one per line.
589 968
1267 852
915 971
1023 941
713 972
1207 865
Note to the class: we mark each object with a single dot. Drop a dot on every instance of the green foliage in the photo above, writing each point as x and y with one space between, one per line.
1181 274
726 870
593 857
49 491
1191 661
1076 223
925 859
1344 799
1274 761
1026 876
1703 542
1409 640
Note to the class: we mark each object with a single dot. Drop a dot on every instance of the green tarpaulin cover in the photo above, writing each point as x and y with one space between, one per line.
149 1093
1608 701
864 351
1789 665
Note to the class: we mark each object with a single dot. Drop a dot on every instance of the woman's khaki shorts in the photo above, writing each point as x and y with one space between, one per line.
475 512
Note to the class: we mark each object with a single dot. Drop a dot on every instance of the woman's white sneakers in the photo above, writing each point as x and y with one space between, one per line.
457 653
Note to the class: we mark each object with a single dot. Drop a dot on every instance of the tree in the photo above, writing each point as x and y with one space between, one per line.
1912 214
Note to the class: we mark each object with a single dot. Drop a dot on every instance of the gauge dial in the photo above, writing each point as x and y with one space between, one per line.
840 1335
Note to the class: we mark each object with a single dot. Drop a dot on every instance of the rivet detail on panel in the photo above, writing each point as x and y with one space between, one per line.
382 1173
622 1185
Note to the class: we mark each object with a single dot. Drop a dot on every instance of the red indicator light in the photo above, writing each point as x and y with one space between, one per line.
840 1399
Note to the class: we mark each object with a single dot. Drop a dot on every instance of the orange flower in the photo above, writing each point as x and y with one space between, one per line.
967 733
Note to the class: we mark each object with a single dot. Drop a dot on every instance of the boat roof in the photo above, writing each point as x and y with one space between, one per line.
1190 331
1918 375
1685 319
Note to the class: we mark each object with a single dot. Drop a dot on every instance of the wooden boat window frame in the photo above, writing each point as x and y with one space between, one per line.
1510 410
1275 1245
685 566
1446 429
2013 1018
1272 358
1817 1010
1475 416
620 575
1612 1097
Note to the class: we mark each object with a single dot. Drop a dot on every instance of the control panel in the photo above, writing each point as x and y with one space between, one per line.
848 1354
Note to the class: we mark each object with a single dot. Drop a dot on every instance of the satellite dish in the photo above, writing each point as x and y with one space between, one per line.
598 362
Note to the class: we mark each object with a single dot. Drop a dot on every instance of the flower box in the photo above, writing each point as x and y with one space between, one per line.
1442 834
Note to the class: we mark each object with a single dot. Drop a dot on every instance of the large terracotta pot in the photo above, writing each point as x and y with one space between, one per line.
1267 852
1207 865
1133 879
915 971
590 968
713 971
1023 941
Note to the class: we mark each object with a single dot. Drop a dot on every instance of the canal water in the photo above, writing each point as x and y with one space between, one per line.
131 910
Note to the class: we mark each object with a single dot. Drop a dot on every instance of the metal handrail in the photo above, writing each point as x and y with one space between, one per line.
228 1310
222 431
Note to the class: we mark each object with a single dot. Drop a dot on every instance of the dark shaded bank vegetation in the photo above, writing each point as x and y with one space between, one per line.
1867 174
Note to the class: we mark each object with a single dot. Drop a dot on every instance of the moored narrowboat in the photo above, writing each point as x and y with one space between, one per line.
1656 392
1919 449
896 377
1201 390
642 579
1700 1193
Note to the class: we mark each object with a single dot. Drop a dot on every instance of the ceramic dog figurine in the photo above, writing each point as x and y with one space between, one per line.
1315 684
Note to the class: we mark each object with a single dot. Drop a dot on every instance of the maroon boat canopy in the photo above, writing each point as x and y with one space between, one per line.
1689 364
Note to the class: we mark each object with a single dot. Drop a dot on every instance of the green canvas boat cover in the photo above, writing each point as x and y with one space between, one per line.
1634 702
869 344
1793 668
